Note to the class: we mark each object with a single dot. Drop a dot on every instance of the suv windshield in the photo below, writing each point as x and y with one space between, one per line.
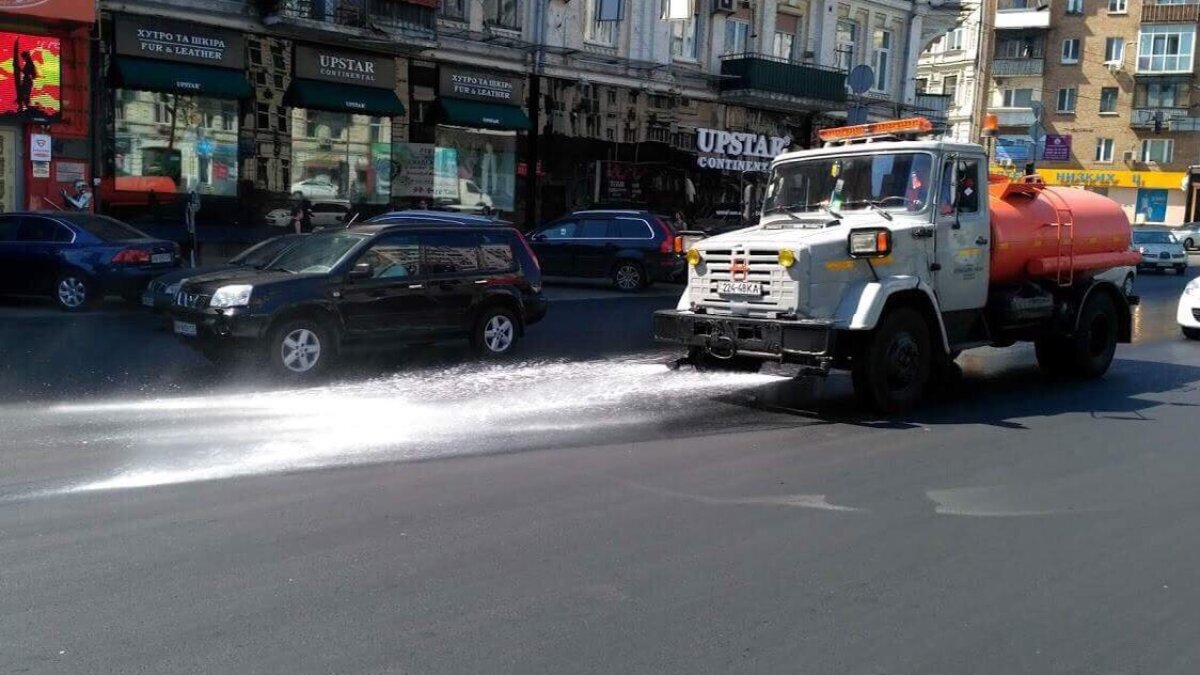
317 254
1153 237
851 183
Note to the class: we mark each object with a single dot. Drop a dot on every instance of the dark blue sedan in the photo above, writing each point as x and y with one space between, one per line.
78 258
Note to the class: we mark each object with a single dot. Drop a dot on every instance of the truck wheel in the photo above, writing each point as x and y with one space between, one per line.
1191 333
891 369
1089 353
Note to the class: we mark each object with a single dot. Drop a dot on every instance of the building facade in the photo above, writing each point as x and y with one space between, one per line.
948 76
1113 79
527 109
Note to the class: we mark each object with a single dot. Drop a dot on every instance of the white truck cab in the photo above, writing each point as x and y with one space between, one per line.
870 255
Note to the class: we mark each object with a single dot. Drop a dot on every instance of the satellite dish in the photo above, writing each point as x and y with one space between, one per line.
856 114
861 78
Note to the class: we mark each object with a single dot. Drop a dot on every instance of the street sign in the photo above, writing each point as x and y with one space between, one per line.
861 78
856 114
1039 110
1037 131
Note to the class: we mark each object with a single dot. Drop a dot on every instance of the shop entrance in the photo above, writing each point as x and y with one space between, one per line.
11 174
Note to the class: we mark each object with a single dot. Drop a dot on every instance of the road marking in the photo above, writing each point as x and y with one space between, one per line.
804 501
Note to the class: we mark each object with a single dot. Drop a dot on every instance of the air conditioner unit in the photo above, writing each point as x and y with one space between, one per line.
1129 155
724 6
1114 66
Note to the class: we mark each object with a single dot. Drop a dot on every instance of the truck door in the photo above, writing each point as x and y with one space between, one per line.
963 235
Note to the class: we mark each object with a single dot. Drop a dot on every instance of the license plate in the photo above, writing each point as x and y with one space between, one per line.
147 300
184 328
739 288
159 258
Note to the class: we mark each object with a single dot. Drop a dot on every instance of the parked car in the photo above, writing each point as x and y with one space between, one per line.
325 213
318 187
1189 234
1160 250
78 258
376 283
632 248
471 199
160 292
1188 314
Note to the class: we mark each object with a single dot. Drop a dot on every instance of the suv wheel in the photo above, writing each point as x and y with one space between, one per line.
495 332
300 348
73 291
628 276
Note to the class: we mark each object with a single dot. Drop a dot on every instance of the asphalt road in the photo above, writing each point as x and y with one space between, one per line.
586 510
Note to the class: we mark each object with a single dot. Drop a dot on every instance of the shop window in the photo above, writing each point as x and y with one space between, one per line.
175 144
341 156
475 170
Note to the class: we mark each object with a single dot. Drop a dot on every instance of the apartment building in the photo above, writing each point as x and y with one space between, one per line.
528 108
1114 79
948 76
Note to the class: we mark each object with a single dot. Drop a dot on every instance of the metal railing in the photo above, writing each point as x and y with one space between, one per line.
1017 67
767 73
1172 13
385 14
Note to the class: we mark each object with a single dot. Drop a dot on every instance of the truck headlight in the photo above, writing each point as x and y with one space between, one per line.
872 242
231 296
693 257
786 257
1193 288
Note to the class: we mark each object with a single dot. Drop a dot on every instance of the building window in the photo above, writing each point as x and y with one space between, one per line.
1019 48
883 57
1066 99
1104 150
167 143
454 9
1166 48
1118 6
784 43
1074 6
605 17
1158 95
1070 51
1016 98
341 156
950 88
922 85
1159 150
1108 100
684 38
502 14
1114 50
954 40
847 43
737 36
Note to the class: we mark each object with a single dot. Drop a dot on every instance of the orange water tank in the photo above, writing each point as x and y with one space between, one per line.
1041 232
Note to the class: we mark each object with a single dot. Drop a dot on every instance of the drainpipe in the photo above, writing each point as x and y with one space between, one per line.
534 104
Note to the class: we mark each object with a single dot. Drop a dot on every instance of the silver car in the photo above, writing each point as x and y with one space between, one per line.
1189 234
1160 250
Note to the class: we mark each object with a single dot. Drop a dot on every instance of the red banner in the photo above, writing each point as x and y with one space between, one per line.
30 76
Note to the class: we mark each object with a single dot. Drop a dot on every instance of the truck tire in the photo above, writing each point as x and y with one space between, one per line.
892 367
1089 352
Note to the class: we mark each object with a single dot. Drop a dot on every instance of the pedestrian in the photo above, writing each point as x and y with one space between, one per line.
302 216
82 199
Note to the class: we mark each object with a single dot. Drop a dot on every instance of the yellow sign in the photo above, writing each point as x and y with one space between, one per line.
1093 178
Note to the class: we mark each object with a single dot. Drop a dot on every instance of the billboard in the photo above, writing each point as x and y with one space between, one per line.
30 77
83 11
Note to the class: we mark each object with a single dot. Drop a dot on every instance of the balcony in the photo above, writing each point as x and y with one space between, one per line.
1022 14
934 107
1143 118
415 19
1013 117
781 84
1182 13
1028 67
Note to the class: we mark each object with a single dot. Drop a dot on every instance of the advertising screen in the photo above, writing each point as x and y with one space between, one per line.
30 76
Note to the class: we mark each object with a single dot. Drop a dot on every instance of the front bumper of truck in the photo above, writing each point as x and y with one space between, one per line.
806 342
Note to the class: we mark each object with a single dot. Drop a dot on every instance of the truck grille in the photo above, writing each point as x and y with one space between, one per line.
1196 314
191 300
756 265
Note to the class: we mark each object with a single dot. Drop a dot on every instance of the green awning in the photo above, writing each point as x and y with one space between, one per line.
181 78
333 97
464 113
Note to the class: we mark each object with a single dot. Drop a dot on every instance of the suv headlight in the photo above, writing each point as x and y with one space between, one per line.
231 296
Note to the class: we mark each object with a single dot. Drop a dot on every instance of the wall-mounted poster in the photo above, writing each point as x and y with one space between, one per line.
30 77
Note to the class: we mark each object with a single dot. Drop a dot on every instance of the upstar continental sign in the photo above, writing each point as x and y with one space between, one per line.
730 151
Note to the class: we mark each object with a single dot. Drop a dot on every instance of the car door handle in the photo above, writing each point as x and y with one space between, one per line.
481 281
415 286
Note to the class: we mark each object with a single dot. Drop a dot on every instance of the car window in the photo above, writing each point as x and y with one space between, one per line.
624 228
108 229
8 228
328 208
263 253
42 229
395 256
496 252
451 252
562 230
593 228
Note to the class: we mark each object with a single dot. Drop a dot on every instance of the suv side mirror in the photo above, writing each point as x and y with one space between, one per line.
361 270
540 236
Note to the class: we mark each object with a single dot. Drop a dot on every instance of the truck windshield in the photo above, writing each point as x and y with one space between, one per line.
898 181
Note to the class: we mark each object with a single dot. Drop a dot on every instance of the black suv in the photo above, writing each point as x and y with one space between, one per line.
376 283
633 248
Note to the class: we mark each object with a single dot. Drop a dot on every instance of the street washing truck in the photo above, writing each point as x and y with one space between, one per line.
887 255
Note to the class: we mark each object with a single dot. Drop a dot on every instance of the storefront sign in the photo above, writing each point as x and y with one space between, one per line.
41 169
730 151
83 11
30 78
497 88
331 65
1058 148
1113 179
166 40
40 148
412 170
